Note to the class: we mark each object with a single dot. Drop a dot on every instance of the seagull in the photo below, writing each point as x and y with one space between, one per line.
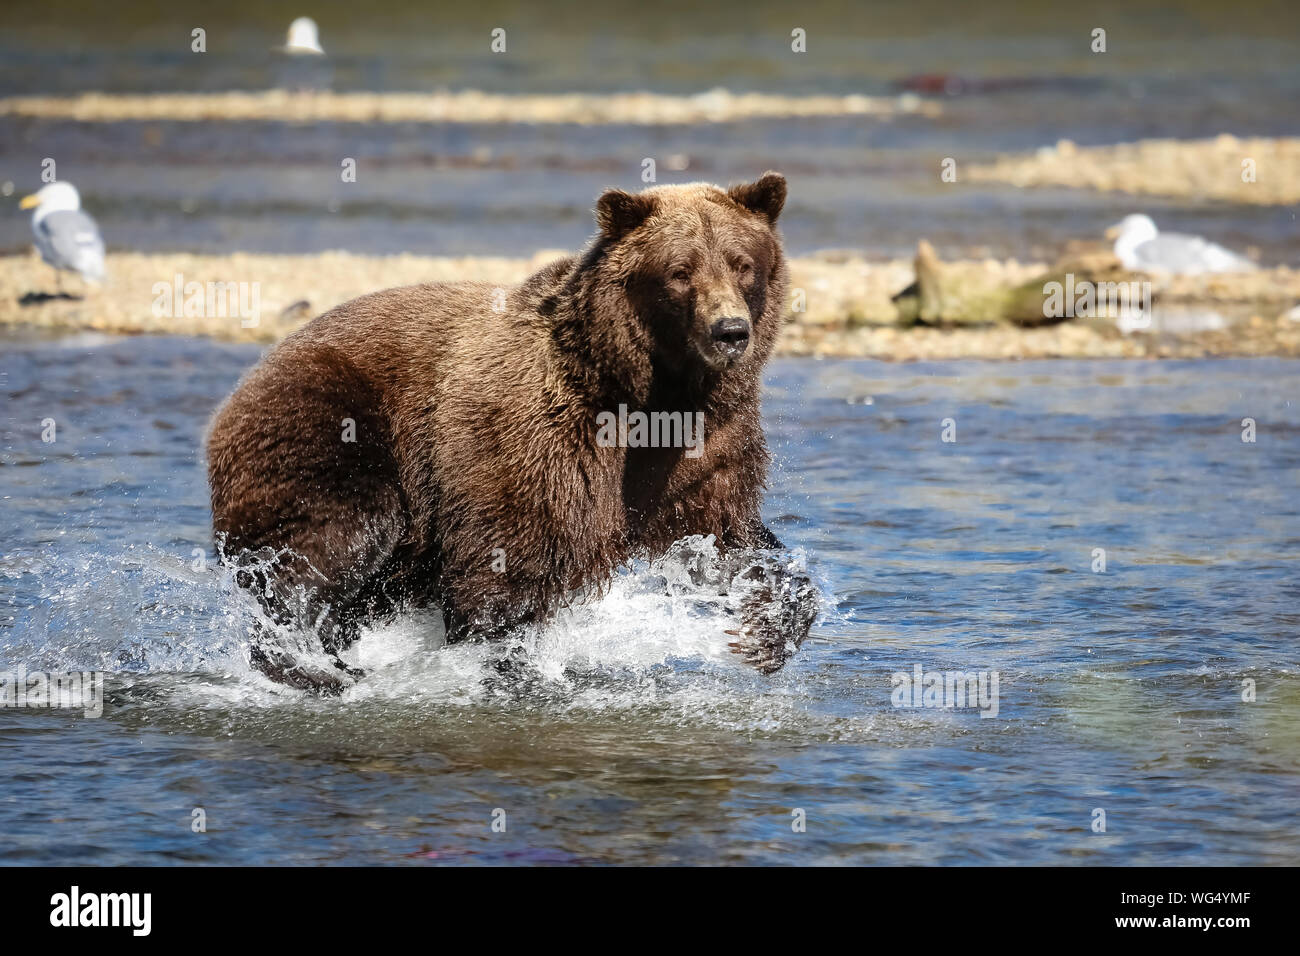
66 237
1143 248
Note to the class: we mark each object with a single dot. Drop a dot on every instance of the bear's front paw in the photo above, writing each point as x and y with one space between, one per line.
775 619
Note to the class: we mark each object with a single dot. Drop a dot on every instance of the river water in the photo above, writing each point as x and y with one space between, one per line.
1023 75
638 738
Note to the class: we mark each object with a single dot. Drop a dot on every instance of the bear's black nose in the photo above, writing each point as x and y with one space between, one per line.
731 335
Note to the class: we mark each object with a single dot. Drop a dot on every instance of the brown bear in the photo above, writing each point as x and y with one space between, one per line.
450 443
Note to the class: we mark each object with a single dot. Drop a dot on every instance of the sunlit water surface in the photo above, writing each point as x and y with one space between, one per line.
1028 77
637 737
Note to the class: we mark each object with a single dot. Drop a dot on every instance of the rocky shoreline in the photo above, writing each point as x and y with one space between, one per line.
458 106
843 305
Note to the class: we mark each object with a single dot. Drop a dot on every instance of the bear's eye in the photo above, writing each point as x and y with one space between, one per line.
743 268
682 275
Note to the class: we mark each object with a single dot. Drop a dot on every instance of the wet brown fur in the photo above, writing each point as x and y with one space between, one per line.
476 428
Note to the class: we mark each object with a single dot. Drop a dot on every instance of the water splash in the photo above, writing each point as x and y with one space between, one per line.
659 629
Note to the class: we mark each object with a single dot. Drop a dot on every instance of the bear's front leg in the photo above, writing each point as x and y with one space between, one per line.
495 620
504 567
485 620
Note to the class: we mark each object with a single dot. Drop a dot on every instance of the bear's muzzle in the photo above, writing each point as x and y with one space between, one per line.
730 337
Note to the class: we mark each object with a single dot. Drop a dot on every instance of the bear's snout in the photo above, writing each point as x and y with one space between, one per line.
730 336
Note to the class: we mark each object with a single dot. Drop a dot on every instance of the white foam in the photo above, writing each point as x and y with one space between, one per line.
655 637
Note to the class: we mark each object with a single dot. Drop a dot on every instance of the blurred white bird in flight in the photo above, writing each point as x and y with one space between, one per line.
66 237
302 65
1143 248
303 38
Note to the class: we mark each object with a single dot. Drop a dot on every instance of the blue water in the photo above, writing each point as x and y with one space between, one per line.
1184 69
640 739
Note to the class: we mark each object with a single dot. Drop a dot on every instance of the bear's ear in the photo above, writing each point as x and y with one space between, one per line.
619 212
765 196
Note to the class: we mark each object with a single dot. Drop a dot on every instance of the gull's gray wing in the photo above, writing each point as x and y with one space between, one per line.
70 240
1175 252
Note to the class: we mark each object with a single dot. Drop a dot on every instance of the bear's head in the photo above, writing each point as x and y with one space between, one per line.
702 270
